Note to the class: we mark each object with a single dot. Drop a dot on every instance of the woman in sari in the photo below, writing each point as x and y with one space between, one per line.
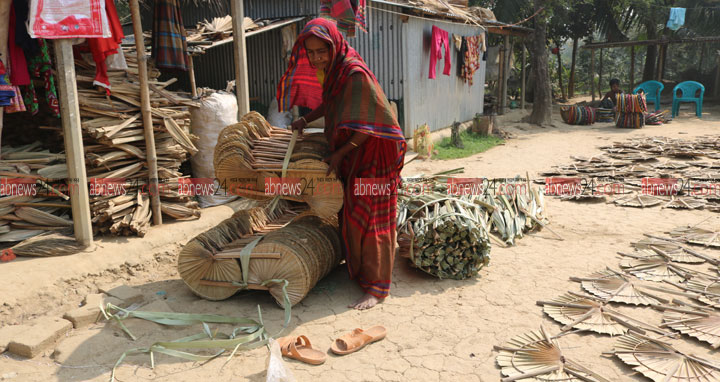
366 142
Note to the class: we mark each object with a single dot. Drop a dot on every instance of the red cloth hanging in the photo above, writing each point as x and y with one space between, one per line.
102 48
19 75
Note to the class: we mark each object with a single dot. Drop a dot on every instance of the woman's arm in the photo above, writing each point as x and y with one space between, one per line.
302 122
355 142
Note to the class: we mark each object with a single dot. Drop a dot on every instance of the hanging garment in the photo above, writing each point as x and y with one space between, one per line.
439 38
457 40
40 66
461 57
289 34
19 75
471 62
346 13
483 46
22 38
116 61
16 103
102 48
677 18
7 92
169 47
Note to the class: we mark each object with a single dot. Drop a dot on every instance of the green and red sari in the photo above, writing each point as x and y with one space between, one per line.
354 102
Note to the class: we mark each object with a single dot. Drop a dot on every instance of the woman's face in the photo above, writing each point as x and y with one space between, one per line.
318 52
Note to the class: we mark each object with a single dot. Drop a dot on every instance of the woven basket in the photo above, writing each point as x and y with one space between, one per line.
565 113
301 249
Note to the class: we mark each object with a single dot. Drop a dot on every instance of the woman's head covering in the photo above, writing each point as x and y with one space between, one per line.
300 86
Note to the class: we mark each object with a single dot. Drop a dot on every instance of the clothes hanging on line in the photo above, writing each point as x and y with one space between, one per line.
169 45
471 61
347 14
102 48
40 66
677 18
16 103
7 92
19 75
440 38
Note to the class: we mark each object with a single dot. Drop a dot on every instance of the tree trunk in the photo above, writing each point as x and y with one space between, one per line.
542 99
562 88
651 56
571 81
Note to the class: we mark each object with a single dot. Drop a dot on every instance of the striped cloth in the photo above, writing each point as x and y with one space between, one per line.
169 48
347 13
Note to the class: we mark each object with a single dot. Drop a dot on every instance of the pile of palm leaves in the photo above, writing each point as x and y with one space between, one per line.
448 235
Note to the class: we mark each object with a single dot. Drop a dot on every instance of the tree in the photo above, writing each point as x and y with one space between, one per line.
542 102
579 26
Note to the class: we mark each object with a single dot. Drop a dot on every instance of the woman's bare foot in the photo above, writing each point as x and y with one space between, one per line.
367 301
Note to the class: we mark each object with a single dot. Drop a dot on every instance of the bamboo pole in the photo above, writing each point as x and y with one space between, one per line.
191 74
151 154
632 67
74 151
242 91
501 75
592 73
600 73
522 86
506 70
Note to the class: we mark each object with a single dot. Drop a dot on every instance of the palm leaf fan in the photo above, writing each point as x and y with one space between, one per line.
661 362
49 244
582 313
698 236
666 248
616 287
703 324
535 356
638 200
38 217
685 203
708 290
652 267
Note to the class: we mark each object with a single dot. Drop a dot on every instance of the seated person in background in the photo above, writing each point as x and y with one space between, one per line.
610 99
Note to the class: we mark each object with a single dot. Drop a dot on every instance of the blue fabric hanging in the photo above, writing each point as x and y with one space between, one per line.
677 18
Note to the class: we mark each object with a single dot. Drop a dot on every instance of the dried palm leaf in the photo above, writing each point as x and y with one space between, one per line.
669 249
708 290
685 203
647 266
58 171
535 356
661 362
47 245
703 324
583 314
616 287
639 200
672 165
36 216
19 235
698 236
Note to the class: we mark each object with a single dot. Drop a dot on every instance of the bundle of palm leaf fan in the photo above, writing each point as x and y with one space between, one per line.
661 362
537 356
59 243
697 236
248 154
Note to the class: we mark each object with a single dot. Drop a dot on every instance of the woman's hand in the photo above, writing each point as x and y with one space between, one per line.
334 161
299 125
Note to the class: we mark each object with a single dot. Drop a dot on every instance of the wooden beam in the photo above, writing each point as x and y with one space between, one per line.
523 74
191 74
242 90
716 91
501 68
600 73
506 32
74 151
659 66
150 153
692 40
506 71
592 74
632 68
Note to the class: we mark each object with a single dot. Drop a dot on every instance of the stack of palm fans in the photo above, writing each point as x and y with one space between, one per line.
631 109
578 115
251 155
260 249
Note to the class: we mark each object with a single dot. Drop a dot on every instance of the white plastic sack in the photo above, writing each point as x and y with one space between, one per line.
276 370
276 118
216 112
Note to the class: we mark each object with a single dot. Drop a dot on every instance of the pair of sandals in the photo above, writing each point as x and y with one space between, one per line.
301 349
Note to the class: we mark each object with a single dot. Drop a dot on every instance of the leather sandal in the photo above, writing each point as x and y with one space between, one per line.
300 348
357 339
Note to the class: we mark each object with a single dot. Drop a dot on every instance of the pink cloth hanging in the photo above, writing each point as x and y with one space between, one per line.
439 38
19 75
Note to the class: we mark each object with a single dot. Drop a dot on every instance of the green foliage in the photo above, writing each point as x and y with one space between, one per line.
474 143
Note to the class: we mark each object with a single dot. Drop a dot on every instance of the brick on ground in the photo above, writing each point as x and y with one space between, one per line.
7 333
42 335
90 313
125 293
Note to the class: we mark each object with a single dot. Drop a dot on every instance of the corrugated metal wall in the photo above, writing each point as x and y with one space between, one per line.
440 101
382 48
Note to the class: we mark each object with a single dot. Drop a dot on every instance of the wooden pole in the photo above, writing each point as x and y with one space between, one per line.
501 68
592 73
632 67
506 71
716 91
150 154
600 73
74 151
4 56
191 73
242 90
522 85
658 67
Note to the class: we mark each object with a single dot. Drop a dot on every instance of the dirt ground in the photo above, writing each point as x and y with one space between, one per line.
438 330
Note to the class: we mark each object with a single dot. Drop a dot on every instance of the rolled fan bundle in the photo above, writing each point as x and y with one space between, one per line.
657 118
631 109
578 115
250 155
279 245
604 115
